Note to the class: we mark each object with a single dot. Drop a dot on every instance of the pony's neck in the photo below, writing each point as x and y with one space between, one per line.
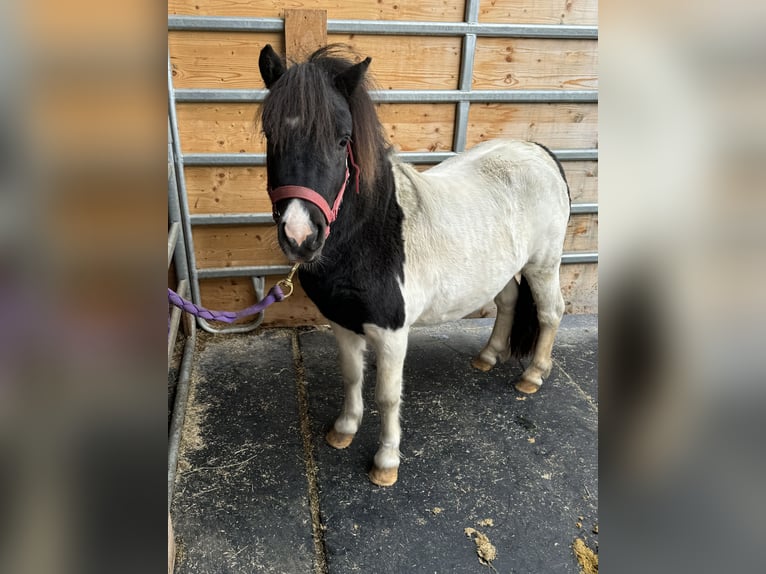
369 214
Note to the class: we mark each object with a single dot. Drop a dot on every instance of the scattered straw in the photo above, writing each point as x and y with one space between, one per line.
587 559
436 510
484 548
486 522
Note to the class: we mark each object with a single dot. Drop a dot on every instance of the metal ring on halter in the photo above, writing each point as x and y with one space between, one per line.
286 284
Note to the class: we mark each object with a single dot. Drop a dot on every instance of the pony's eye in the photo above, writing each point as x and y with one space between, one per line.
343 142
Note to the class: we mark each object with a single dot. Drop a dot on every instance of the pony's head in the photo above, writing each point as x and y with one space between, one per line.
310 119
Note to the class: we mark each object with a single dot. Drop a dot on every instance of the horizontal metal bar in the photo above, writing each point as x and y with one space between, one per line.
483 96
267 218
576 154
570 258
255 159
175 228
581 208
232 219
202 95
263 270
386 27
427 157
214 159
224 24
206 95
243 271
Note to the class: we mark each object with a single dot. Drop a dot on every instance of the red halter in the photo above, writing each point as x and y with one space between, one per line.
308 194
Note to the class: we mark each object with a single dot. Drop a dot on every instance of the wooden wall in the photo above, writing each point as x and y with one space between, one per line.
230 60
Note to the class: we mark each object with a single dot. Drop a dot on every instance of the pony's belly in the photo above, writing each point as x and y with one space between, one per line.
452 307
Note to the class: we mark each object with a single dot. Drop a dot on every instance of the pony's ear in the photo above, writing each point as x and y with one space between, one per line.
271 65
348 81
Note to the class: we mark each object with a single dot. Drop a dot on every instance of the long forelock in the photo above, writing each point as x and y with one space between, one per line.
302 93
305 92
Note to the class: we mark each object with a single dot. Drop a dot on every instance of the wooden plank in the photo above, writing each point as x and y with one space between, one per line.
555 125
582 177
535 64
305 32
226 246
230 59
425 10
232 294
237 245
408 62
582 233
232 127
218 59
579 285
220 128
418 127
580 12
243 189
227 190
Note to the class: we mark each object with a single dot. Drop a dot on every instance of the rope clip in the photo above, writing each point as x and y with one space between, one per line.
286 284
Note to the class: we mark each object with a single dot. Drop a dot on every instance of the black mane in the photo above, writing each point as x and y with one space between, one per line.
304 92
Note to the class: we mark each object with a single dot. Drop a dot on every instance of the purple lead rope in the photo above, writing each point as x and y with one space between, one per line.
274 296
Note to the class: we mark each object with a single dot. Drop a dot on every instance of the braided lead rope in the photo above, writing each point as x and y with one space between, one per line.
275 295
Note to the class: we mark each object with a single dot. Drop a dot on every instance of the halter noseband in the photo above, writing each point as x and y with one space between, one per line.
308 194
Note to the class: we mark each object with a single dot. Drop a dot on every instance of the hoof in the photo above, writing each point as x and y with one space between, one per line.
338 439
383 476
527 387
481 364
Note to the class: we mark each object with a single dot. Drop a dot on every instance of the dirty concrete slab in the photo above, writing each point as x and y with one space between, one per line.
241 501
473 449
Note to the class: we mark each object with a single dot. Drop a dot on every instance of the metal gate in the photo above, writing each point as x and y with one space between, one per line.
470 29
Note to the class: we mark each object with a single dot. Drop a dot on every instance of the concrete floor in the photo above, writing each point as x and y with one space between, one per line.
258 489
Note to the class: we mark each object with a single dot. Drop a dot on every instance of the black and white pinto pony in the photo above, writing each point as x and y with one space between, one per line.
400 247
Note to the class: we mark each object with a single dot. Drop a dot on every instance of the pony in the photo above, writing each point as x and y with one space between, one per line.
383 246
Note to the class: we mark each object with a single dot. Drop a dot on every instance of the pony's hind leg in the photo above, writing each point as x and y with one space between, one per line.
498 345
546 290
351 352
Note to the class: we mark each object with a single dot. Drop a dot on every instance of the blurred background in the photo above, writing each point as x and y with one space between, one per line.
83 177
682 269
83 418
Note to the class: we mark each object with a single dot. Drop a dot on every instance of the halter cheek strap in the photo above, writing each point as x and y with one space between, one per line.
308 194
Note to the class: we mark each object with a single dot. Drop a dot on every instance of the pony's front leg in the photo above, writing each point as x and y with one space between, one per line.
390 348
351 352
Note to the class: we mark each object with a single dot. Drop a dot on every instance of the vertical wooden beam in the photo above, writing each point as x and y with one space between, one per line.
305 32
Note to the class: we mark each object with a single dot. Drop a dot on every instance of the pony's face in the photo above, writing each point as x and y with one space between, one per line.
308 125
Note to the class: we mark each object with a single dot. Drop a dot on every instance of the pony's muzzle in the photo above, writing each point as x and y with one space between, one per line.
301 244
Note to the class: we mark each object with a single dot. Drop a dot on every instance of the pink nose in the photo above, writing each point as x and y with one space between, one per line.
297 231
